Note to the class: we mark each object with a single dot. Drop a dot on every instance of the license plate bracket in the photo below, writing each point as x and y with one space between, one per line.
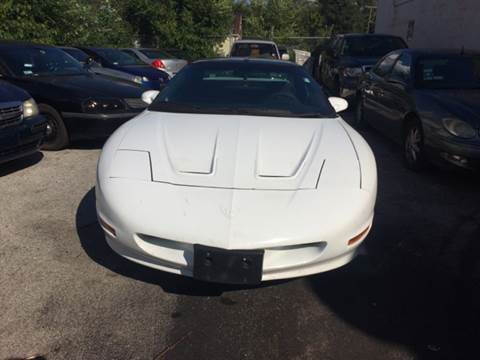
227 266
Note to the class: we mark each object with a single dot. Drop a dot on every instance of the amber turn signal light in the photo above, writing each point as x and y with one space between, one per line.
357 238
107 227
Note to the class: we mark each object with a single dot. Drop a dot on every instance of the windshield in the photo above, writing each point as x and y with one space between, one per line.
156 54
254 50
244 88
455 72
78 54
118 57
371 46
32 61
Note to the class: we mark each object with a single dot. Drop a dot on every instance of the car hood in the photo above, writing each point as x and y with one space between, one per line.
462 103
244 152
91 86
10 93
147 70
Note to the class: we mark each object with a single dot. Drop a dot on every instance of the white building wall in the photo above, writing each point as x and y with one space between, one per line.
436 23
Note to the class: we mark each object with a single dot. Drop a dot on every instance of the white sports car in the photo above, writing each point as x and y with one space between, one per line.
240 171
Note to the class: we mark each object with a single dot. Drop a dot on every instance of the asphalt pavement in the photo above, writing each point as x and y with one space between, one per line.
413 294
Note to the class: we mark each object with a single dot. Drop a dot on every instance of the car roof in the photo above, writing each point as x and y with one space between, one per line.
350 35
237 60
248 41
448 52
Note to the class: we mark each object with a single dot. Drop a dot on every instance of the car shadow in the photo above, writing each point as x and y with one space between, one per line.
88 144
93 242
20 164
419 284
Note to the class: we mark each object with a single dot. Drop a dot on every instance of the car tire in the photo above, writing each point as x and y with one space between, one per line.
360 122
56 137
413 145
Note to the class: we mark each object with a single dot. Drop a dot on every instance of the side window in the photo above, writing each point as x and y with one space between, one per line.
131 53
338 47
401 70
385 65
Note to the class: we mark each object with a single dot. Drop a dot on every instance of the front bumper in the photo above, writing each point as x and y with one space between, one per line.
305 232
83 125
454 153
22 139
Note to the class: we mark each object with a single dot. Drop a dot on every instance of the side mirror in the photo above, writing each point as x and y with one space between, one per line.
89 63
338 103
285 57
149 96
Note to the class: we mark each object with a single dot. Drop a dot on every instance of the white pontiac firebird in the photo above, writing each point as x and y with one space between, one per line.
240 171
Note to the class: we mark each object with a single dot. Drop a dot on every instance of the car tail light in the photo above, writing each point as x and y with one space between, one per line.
107 227
359 237
158 64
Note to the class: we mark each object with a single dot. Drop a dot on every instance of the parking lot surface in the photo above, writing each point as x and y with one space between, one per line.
412 294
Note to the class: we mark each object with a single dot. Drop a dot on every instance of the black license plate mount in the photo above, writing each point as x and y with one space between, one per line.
227 266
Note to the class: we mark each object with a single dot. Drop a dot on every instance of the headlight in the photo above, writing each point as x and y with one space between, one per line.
459 128
145 79
30 108
137 79
103 105
352 71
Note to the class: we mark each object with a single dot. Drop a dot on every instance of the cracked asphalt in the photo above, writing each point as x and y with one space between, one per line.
66 295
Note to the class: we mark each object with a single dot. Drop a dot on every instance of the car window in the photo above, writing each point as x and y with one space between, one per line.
448 72
372 46
156 54
254 50
244 88
40 61
131 53
401 70
385 65
119 58
78 54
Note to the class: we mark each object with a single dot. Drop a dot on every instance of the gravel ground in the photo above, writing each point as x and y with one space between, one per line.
65 294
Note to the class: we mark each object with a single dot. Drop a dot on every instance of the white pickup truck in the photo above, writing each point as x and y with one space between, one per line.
257 48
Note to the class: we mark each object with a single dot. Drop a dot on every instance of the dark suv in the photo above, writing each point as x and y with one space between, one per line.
348 56
21 128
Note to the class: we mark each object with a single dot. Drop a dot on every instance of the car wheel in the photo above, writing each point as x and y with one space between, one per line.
414 154
360 113
56 137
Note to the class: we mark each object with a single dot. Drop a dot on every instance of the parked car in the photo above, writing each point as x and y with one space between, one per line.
256 48
75 103
250 169
349 56
428 100
117 60
96 68
159 59
22 129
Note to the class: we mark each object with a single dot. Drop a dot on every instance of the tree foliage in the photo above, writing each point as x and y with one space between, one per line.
194 26
63 22
191 25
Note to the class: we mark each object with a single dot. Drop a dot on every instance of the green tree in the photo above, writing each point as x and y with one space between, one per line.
62 22
190 25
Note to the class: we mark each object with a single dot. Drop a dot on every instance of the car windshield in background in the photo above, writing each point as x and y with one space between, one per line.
156 54
244 88
119 58
77 54
456 72
32 61
254 50
371 46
